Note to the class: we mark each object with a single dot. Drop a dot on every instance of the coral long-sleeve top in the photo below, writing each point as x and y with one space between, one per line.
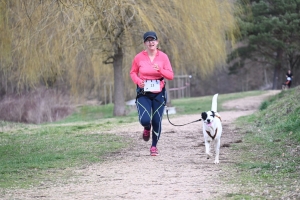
142 68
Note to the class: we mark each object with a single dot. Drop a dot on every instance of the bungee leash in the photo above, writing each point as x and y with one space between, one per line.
198 120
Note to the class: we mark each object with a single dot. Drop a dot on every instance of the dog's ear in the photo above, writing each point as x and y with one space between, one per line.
204 115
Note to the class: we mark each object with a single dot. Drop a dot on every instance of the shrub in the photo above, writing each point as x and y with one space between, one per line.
39 106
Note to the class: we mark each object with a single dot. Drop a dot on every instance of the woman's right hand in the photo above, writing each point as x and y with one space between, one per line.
142 84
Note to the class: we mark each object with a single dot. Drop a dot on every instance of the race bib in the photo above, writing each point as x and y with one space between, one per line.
152 86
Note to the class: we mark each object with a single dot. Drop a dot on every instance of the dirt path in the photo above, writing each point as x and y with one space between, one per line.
180 172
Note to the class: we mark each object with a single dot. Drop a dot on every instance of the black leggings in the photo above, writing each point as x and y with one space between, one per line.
150 107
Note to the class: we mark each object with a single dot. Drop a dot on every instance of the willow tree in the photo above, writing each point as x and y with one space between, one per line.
80 43
47 44
5 47
191 31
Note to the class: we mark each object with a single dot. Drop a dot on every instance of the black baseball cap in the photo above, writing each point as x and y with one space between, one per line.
150 34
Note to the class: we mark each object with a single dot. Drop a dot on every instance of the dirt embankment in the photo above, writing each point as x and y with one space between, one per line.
180 172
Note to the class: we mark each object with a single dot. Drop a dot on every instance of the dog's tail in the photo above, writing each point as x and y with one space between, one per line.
214 104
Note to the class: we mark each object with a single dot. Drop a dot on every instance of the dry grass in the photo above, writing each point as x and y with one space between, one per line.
42 105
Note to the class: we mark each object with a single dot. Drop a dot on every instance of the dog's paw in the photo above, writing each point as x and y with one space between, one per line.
217 162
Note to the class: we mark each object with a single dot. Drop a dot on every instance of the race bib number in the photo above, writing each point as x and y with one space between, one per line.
152 86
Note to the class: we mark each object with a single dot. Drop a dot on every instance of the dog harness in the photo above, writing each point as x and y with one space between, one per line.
218 116
213 137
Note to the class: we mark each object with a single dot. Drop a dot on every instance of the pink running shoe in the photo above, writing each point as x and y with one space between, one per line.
146 135
153 151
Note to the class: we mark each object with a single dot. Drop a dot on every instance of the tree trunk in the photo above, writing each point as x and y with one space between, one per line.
277 68
168 103
119 98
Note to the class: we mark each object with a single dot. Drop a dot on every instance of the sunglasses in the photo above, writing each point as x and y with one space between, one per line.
151 40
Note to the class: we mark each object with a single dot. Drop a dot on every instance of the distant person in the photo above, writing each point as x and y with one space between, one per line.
289 77
149 69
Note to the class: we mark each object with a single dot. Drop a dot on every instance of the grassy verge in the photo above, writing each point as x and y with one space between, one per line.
268 164
96 113
30 154
200 104
41 154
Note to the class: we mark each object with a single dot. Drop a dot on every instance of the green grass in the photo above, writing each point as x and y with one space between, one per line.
93 113
26 157
183 106
269 157
200 104
31 153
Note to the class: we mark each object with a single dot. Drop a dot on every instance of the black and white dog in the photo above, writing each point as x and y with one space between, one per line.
212 129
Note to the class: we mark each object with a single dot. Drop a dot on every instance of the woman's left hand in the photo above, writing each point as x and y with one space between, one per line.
156 67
